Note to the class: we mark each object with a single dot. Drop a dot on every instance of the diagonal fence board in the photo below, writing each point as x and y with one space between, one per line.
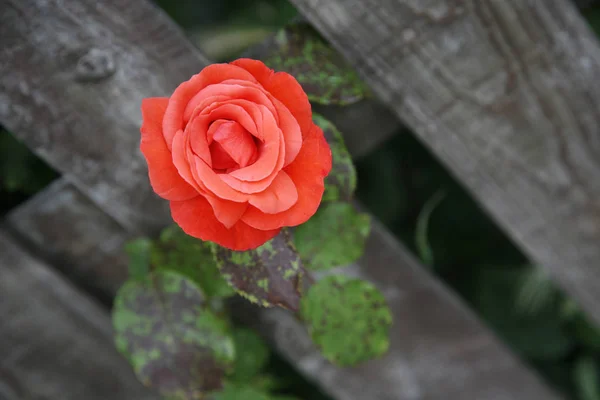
56 344
439 350
71 82
72 77
506 94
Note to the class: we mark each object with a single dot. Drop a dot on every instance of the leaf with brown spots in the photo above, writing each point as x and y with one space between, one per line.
270 275
174 344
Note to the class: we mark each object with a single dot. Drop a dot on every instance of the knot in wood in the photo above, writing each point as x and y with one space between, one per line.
95 65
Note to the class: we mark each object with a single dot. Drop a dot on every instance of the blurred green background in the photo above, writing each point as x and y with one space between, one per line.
406 188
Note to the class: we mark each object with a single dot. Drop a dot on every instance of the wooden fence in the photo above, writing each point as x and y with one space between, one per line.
506 93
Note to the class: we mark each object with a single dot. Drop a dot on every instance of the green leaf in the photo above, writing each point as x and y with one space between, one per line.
174 345
535 292
251 355
139 251
240 392
348 319
323 73
340 184
585 332
422 229
191 257
587 378
270 275
538 335
334 236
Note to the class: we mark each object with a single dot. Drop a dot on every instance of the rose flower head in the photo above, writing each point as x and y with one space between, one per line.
236 153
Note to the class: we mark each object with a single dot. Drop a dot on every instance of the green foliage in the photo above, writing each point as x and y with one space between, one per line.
587 378
539 335
422 229
139 251
348 319
270 275
251 355
191 257
174 344
333 237
323 73
239 392
340 184
586 333
20 169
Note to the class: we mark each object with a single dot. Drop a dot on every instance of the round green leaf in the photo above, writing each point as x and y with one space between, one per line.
334 236
251 355
348 319
269 275
172 342
323 73
191 257
340 184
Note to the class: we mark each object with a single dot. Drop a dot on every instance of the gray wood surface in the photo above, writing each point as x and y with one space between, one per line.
507 95
56 344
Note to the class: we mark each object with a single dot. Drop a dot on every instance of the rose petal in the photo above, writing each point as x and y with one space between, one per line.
196 132
211 181
227 212
220 158
164 178
286 121
256 186
278 197
307 172
181 160
173 119
284 87
229 90
236 141
197 219
268 151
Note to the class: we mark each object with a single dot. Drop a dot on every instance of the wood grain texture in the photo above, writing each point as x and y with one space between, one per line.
72 77
55 343
506 93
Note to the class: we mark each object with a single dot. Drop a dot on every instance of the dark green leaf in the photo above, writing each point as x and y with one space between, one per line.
422 229
587 378
586 332
348 319
239 392
340 184
323 73
190 257
251 355
139 257
334 236
172 342
268 275
538 335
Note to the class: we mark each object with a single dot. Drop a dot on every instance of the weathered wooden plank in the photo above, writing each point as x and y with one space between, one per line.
64 227
506 93
56 344
438 351
72 77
